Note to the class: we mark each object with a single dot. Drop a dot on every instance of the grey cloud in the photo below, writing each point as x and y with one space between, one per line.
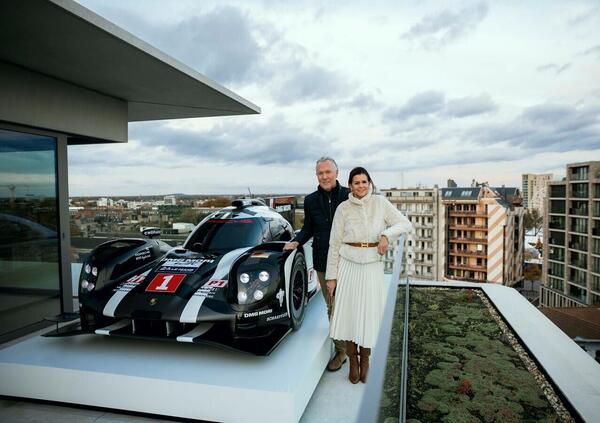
430 103
547 127
553 67
219 43
310 82
585 17
362 102
469 106
273 142
424 103
594 51
230 46
439 29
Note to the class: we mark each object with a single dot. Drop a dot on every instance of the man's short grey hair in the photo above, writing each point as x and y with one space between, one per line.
326 159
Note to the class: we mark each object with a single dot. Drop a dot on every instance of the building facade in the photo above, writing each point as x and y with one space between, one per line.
420 205
534 188
571 269
481 235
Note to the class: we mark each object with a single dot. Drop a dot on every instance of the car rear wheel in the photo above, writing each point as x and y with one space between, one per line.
297 295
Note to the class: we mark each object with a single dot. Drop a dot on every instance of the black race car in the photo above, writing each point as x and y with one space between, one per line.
230 283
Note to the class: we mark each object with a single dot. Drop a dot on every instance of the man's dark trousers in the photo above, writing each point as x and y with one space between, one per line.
319 209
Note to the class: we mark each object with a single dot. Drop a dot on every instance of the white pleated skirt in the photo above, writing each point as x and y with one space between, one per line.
359 303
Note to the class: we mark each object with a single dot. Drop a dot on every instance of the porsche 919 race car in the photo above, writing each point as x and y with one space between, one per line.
230 283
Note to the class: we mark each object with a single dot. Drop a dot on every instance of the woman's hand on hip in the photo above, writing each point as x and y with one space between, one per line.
331 284
383 245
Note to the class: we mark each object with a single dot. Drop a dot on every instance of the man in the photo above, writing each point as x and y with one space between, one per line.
319 208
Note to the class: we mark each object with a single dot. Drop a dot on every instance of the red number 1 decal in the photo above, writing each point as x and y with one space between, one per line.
165 282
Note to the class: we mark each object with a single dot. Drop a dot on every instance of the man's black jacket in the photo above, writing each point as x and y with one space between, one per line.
319 208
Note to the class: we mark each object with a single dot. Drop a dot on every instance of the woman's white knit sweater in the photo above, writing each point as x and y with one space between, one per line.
363 220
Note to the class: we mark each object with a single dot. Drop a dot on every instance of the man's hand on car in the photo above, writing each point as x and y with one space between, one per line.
292 245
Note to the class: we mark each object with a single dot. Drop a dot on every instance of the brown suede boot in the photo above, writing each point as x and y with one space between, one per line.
336 362
364 363
351 350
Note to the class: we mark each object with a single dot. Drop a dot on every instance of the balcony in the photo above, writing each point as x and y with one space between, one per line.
578 211
580 263
460 278
470 213
580 246
463 253
469 227
469 240
556 241
473 267
579 173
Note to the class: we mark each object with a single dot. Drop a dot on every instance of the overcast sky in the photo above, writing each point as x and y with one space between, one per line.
415 91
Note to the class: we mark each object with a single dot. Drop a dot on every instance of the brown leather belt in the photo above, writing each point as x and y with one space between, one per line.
363 244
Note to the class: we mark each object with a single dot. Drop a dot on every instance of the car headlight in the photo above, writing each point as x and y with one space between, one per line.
89 278
254 284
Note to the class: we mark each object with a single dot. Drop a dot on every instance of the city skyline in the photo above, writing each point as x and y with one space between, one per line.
416 92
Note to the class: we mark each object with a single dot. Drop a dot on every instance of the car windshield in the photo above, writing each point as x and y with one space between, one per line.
226 234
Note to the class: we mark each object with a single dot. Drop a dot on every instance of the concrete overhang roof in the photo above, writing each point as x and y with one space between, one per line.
64 40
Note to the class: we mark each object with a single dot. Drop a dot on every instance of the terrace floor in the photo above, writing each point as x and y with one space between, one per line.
334 400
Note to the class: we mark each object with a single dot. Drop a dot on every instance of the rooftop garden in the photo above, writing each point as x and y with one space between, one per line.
464 365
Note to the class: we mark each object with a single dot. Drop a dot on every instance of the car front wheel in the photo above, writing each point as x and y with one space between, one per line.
298 291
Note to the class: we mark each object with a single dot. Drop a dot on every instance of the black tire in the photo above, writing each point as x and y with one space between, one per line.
298 291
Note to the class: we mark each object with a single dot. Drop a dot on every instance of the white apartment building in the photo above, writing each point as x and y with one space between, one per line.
420 205
534 188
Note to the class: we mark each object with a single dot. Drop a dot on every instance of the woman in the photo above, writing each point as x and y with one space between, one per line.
363 227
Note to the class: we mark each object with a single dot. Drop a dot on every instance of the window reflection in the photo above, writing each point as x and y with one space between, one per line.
29 245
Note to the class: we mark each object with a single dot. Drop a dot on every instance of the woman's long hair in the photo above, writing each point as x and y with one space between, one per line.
360 171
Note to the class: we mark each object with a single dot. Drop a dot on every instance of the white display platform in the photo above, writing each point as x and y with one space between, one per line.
173 379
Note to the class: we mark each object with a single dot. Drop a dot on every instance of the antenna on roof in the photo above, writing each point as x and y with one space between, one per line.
249 192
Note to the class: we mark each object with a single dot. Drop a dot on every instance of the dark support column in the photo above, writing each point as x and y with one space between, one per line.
63 220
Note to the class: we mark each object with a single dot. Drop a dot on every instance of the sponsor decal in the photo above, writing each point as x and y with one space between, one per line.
165 282
209 289
216 283
132 282
153 301
121 291
280 296
143 255
258 313
279 316
260 255
183 265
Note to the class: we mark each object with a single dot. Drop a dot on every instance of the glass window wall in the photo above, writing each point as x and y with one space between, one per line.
579 190
556 269
557 191
578 242
29 243
557 206
557 253
579 224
